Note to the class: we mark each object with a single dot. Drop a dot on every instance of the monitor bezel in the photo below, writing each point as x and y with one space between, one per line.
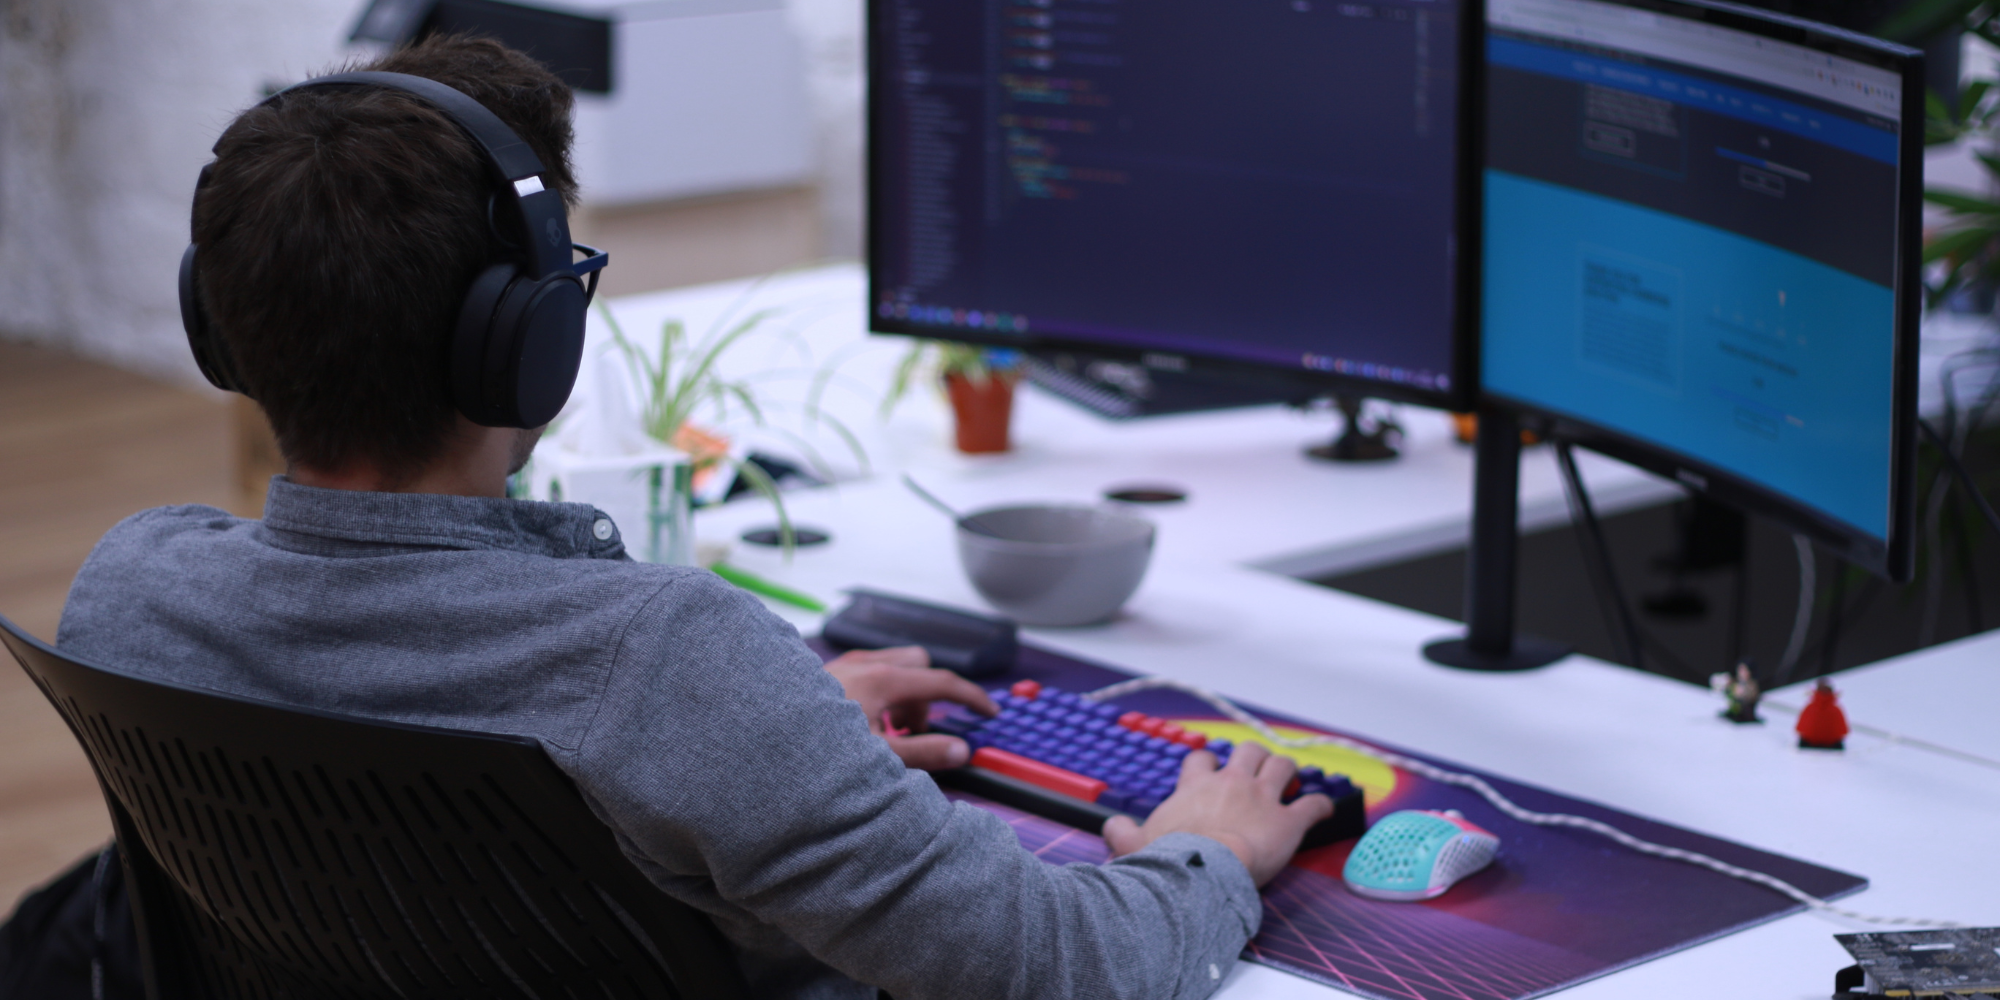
1287 381
1892 556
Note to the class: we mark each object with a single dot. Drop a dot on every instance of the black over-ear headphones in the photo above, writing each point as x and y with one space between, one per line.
520 331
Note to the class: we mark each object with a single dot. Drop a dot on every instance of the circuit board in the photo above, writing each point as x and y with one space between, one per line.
1942 963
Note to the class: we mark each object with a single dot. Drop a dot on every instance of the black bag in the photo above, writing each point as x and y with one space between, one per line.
73 939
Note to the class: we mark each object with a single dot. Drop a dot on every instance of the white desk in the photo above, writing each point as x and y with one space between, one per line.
1920 824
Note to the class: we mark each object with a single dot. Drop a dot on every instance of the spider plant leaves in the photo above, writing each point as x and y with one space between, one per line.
1962 203
1925 18
682 380
972 362
764 486
1960 245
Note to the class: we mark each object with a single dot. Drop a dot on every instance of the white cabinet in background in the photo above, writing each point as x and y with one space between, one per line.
708 97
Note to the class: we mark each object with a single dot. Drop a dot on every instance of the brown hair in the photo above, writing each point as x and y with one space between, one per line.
338 233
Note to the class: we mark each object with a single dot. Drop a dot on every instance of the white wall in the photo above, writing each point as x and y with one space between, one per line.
107 111
833 35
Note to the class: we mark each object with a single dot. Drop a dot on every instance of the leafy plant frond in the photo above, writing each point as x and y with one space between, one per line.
970 361
741 393
681 380
906 369
832 423
1966 247
764 486
1925 18
1959 243
1962 203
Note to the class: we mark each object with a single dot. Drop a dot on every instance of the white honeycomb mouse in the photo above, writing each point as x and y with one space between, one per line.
1417 854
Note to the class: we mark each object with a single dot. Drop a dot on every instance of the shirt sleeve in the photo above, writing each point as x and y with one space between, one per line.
733 764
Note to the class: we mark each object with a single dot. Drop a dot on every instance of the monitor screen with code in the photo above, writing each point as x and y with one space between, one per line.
1271 183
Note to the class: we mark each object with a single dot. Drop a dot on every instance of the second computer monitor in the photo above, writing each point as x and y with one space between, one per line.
1701 252
1264 183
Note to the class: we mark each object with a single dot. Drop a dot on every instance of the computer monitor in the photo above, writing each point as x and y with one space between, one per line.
1701 252
1272 186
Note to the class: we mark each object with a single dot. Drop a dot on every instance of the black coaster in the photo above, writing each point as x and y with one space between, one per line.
801 536
1149 493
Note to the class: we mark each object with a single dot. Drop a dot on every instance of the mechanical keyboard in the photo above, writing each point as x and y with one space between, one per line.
1063 757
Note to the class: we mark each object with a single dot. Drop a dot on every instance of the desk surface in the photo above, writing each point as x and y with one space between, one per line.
1944 695
1919 823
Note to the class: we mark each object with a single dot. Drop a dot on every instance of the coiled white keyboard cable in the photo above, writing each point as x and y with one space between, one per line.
1499 801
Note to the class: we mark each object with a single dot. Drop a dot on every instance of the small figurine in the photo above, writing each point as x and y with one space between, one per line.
1822 725
1742 692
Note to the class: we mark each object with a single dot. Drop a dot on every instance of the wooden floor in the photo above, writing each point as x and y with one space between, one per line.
81 447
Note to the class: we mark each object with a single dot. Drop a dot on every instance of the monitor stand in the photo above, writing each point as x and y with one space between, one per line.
1354 443
1120 388
1490 642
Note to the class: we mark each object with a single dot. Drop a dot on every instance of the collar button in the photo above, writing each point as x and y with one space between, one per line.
602 529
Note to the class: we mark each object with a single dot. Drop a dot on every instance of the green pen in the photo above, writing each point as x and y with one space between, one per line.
765 588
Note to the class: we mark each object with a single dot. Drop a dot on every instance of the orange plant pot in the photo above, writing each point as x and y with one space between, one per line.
984 411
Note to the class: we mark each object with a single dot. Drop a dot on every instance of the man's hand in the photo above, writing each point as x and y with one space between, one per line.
895 688
1237 805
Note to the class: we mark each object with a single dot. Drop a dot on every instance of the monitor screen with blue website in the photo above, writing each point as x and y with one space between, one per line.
1699 248
1268 185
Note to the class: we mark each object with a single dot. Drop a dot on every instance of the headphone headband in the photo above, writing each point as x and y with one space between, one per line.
512 158
512 162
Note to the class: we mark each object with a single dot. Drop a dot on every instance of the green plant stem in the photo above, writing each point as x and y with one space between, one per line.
765 588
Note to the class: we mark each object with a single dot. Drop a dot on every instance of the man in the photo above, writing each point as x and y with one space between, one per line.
390 578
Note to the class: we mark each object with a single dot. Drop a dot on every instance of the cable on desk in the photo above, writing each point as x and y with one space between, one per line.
1801 619
1499 801
1610 596
1893 737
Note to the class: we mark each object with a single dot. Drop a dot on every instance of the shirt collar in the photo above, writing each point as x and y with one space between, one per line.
534 527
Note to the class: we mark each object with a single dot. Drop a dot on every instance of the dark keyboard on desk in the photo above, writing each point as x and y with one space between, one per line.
1057 755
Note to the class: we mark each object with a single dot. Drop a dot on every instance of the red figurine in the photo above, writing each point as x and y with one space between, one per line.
1822 726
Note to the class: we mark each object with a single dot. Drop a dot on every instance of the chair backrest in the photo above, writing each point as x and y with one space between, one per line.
279 852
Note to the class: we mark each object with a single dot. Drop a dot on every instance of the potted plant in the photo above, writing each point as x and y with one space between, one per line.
979 382
678 438
1965 249
681 380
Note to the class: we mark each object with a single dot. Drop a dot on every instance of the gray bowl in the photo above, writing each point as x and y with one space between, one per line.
1056 564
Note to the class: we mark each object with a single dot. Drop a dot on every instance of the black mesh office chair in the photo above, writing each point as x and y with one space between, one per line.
277 852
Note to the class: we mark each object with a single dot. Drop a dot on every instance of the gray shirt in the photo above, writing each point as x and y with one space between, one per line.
697 724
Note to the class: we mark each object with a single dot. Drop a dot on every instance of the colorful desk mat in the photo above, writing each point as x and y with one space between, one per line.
1557 907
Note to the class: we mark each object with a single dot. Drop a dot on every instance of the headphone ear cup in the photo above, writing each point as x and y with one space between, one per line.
471 346
551 349
211 355
518 347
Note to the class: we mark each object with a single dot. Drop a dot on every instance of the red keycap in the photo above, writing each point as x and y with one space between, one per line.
1026 689
1291 789
1193 740
1132 720
1034 772
1170 732
1151 727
